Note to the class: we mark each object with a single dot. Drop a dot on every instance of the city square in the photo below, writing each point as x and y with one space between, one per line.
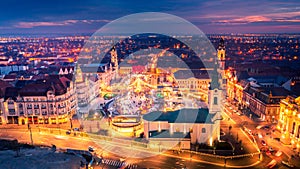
126 85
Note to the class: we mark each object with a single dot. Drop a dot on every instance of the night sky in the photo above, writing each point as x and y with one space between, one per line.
211 16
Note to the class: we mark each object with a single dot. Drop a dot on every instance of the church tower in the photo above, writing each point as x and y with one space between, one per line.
114 61
215 91
221 54
215 95
221 60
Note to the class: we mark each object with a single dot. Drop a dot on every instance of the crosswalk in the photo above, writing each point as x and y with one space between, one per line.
119 164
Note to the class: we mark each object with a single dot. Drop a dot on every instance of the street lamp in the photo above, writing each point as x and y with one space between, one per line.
71 123
30 133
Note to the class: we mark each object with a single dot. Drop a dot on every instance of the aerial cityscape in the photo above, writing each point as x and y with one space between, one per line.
125 85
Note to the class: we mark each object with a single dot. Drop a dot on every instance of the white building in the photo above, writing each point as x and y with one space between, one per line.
187 126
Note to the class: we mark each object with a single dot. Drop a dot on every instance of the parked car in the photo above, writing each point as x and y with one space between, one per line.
68 132
286 163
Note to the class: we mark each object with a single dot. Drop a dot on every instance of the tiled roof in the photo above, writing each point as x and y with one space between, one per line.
186 74
186 115
39 87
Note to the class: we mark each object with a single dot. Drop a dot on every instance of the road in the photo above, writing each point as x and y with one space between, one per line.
250 125
153 159
115 151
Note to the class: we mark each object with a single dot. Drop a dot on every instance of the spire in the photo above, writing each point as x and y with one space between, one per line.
221 43
78 75
214 84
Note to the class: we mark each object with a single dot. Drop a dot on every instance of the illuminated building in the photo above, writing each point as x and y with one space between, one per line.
236 84
264 101
5 69
114 61
3 86
289 121
196 83
82 87
87 84
188 125
48 101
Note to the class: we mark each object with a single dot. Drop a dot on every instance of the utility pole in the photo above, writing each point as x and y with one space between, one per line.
30 132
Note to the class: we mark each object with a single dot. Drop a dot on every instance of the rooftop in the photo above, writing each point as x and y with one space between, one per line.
186 115
167 134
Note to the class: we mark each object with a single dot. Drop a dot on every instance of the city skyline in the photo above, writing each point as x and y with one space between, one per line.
228 16
161 84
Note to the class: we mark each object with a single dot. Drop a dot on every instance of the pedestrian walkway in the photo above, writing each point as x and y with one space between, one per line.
119 164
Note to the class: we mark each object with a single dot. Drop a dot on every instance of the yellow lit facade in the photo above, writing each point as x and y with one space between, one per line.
289 121
234 88
50 108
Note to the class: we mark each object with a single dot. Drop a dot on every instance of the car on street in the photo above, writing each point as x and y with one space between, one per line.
271 149
272 164
278 153
263 143
222 133
91 149
286 163
277 139
249 132
266 127
68 132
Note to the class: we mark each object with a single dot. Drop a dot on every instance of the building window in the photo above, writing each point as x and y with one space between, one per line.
29 112
215 100
203 130
11 111
36 112
44 113
43 106
298 135
20 106
293 128
29 106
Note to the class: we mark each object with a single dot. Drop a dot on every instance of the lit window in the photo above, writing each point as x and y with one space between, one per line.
215 100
